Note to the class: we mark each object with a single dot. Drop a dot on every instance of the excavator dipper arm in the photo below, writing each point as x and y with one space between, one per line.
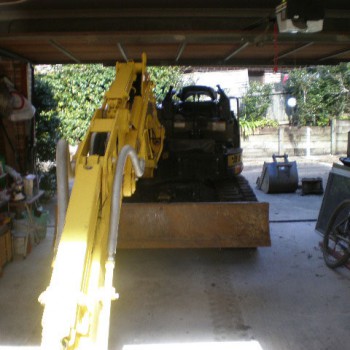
124 141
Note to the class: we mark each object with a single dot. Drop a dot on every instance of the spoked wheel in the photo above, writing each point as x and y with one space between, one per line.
336 240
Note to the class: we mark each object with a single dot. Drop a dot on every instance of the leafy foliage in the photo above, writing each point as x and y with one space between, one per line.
47 178
254 107
322 93
248 127
164 77
47 122
256 102
66 97
76 91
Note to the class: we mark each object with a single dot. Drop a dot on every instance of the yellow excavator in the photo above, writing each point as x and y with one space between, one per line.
173 207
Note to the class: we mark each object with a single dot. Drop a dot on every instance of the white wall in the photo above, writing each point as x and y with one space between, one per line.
233 82
236 82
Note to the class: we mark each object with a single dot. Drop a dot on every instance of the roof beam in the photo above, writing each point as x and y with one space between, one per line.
86 12
171 36
344 52
122 25
137 13
181 50
15 56
64 51
122 52
288 53
234 53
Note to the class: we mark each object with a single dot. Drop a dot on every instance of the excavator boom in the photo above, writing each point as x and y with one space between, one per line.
124 141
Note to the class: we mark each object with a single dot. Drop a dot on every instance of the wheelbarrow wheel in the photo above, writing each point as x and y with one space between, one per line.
336 240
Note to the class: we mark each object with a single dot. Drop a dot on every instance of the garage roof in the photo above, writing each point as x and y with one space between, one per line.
181 32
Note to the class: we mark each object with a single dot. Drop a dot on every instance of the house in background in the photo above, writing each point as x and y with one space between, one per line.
235 82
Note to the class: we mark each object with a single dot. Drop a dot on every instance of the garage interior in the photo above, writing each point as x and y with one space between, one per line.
270 298
278 297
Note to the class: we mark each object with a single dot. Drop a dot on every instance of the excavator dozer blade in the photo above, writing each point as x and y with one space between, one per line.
194 225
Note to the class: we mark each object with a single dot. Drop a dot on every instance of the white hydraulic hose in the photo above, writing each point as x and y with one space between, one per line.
62 171
110 294
139 167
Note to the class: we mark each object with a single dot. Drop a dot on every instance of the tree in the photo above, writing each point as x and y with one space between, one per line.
321 93
66 97
164 77
76 90
254 106
256 102
46 121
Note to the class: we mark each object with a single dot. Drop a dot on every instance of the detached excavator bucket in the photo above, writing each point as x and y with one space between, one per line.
194 225
278 177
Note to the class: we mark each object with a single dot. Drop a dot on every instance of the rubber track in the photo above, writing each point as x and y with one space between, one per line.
235 190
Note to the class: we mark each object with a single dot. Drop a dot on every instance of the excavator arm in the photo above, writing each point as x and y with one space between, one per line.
124 141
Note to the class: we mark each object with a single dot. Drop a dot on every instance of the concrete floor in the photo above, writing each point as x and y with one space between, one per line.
282 297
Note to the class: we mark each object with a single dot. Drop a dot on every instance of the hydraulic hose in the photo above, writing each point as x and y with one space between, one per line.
63 168
139 167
